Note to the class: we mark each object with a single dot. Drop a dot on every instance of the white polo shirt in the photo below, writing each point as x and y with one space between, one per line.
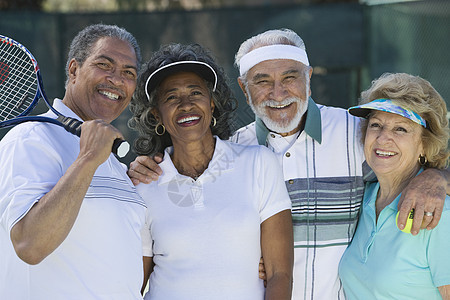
204 235
101 258
322 169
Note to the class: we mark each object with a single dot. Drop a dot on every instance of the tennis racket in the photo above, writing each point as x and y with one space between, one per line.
21 88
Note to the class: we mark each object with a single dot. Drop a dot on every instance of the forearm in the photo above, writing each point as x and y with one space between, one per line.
278 254
148 269
50 220
279 287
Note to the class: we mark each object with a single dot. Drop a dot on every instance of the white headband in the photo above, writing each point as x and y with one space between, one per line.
258 55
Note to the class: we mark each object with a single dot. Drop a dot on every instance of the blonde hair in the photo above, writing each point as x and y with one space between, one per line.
416 94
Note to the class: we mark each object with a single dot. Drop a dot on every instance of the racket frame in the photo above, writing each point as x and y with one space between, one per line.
120 147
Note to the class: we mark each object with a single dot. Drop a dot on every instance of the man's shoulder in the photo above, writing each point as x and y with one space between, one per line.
21 132
35 138
245 154
245 135
334 116
241 147
33 130
332 110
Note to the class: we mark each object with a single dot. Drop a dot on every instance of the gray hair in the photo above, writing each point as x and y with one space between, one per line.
268 38
81 46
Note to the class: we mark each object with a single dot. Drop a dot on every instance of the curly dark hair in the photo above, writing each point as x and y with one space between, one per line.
143 121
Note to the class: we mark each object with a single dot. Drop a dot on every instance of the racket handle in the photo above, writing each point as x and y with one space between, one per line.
71 125
120 147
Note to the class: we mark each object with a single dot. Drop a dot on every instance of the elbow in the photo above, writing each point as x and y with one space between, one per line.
28 249
28 254
31 260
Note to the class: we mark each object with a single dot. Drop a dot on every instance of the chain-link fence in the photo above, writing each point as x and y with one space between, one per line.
412 37
348 44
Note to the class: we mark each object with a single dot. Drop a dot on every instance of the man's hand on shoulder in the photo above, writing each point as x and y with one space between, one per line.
426 194
145 169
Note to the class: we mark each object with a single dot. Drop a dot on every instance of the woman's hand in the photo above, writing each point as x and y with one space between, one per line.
445 292
262 271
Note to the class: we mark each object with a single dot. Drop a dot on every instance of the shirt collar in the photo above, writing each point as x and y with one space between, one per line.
222 161
313 124
62 109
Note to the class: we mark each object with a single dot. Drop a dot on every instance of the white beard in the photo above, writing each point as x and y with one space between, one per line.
285 125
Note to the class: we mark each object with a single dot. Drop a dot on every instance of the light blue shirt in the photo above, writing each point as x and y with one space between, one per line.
383 262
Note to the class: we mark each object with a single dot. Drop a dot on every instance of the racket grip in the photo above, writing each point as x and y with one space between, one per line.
71 125
120 147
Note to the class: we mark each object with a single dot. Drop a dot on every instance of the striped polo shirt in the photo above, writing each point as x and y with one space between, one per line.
323 172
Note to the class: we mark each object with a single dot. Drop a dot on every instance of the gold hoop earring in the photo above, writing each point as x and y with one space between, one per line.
214 121
163 129
422 160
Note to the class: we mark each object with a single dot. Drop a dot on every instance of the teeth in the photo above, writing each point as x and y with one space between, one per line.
187 119
278 106
110 95
385 153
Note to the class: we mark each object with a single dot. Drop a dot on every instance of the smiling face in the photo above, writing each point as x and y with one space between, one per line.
392 145
102 87
277 90
185 107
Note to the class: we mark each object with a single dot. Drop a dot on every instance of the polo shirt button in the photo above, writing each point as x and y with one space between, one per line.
288 154
291 181
272 135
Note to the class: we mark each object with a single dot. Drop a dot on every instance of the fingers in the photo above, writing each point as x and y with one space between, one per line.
426 194
424 216
435 218
158 158
145 169
262 271
419 211
404 209
96 140
420 221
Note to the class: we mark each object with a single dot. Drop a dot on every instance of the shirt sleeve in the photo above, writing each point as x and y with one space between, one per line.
147 241
30 168
274 197
146 234
438 247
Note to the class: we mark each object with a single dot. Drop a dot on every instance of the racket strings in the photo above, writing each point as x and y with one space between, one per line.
18 81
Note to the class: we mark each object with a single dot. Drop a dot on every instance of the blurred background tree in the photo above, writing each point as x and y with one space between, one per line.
21 4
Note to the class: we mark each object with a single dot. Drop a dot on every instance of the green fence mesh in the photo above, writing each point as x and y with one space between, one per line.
348 44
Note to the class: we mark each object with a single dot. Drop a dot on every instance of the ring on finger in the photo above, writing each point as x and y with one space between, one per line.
429 214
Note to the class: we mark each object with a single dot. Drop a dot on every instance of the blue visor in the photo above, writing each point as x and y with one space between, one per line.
386 105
